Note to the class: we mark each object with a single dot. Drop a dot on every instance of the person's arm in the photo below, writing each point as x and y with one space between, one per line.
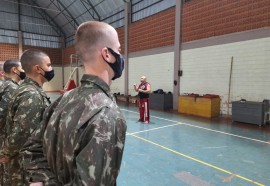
98 162
136 87
7 95
35 163
3 113
26 118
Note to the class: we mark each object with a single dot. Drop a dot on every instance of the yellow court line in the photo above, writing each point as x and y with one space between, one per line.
199 161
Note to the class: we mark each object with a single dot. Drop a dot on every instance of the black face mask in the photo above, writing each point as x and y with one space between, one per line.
48 74
118 65
21 75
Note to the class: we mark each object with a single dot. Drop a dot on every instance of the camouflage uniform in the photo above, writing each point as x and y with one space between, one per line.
1 141
82 136
24 114
6 91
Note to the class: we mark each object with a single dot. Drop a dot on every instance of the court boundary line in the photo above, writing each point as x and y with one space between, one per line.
191 125
197 160
154 129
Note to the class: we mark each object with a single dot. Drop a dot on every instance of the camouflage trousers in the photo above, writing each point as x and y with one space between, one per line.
13 173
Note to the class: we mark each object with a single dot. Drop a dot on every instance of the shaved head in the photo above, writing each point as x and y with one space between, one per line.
143 78
30 58
91 36
9 64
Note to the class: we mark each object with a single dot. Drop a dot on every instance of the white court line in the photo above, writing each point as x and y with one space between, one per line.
180 123
152 129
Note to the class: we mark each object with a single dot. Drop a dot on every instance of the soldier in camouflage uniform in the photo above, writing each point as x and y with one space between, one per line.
82 135
13 74
1 140
25 112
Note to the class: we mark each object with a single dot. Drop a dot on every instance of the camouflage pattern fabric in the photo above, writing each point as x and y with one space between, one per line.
1 174
24 114
6 91
82 136
1 141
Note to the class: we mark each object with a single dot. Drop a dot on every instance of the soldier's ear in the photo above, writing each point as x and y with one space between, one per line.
13 69
36 69
106 54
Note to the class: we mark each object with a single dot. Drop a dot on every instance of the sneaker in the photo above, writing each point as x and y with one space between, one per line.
140 120
146 122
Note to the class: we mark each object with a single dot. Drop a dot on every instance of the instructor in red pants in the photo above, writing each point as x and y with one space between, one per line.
144 90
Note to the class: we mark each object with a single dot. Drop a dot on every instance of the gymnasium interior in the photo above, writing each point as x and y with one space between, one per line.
207 62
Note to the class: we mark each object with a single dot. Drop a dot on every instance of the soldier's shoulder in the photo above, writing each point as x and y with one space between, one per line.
5 84
27 91
101 99
12 86
27 88
110 107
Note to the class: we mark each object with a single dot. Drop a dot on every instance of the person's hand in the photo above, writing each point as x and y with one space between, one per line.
36 184
4 159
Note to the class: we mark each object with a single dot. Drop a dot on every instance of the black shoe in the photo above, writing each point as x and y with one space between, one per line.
140 120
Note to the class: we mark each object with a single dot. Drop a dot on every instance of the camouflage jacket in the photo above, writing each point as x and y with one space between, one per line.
24 114
82 136
6 91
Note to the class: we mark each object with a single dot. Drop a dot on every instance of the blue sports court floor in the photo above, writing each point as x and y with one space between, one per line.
179 150
189 151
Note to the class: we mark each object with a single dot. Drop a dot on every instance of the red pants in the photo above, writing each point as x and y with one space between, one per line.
144 110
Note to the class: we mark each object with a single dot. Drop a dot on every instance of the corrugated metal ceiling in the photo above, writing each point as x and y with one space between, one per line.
62 15
68 14
60 18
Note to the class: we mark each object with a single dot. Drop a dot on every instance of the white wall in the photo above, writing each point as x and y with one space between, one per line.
118 85
157 68
206 71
